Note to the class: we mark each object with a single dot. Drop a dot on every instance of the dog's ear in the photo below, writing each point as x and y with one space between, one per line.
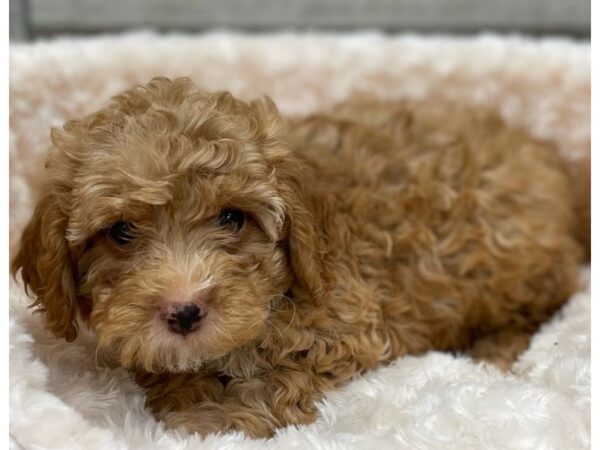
47 267
307 220
307 216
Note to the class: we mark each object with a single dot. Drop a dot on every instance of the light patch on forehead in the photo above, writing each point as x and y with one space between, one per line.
191 270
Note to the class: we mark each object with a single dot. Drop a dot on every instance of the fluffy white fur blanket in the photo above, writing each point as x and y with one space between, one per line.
59 399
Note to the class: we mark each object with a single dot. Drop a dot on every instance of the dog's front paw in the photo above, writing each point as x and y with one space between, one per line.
194 422
214 418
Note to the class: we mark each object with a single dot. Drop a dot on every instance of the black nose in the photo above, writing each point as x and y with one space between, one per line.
185 319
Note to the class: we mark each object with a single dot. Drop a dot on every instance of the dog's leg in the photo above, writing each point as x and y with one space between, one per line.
168 392
256 406
502 347
219 417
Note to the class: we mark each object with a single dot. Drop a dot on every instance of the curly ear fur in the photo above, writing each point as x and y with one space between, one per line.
47 267
307 222
306 213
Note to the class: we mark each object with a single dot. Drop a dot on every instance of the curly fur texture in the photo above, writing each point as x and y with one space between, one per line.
375 231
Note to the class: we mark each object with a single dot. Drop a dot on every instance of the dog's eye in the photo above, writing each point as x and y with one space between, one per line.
233 218
121 232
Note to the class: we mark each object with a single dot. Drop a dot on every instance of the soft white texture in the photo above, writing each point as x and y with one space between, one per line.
60 398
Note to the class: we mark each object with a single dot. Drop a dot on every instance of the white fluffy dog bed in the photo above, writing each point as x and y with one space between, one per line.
59 399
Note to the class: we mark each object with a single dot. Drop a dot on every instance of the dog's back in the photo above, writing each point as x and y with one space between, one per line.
464 227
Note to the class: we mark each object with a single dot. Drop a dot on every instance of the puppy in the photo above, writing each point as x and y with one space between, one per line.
241 265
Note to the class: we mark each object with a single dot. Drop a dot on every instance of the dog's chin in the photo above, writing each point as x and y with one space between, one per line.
156 349
165 362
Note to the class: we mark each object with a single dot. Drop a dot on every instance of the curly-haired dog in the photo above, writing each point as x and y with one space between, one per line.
242 265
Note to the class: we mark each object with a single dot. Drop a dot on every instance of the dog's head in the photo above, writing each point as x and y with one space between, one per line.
172 220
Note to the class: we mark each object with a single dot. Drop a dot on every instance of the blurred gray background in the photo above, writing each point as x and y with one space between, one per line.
35 19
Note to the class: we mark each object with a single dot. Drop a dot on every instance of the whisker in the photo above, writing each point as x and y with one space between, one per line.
96 356
276 329
293 312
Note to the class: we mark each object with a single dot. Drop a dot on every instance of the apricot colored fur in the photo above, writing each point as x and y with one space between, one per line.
374 231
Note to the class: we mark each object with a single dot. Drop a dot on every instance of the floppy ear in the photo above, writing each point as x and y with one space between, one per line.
307 214
47 267
307 220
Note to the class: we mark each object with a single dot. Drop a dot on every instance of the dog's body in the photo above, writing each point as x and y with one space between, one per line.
372 232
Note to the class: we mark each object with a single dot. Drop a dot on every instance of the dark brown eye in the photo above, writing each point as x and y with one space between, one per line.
121 232
231 218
